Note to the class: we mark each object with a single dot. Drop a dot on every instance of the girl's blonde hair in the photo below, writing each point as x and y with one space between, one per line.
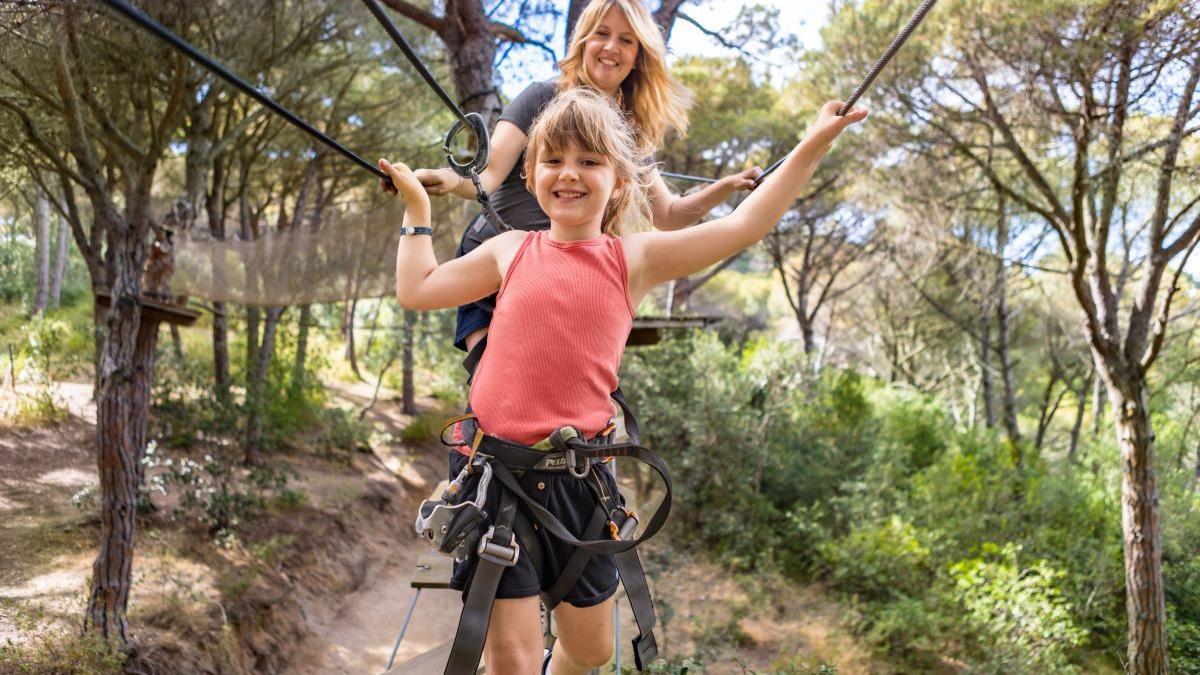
649 95
589 119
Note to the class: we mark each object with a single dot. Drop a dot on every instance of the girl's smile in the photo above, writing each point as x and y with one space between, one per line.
573 186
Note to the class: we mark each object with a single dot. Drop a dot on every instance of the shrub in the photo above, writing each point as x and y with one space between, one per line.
1018 612
217 492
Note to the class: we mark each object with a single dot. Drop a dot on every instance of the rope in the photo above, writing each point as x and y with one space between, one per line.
917 17
472 121
684 176
164 34
394 33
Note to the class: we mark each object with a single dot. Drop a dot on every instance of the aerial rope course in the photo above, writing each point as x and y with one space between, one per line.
452 523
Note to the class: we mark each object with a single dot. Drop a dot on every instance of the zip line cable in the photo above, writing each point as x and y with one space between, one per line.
472 120
145 21
917 17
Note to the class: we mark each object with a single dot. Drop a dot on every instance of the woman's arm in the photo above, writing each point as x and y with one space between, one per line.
507 142
421 283
656 257
673 212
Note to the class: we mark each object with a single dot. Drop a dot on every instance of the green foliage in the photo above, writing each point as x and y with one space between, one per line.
218 492
37 409
1018 611
423 428
879 561
873 490
67 654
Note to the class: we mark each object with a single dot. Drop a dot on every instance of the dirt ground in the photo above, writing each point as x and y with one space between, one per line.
336 602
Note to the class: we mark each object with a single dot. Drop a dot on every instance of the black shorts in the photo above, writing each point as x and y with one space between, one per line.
573 503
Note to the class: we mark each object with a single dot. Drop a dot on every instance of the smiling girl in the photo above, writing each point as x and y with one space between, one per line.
565 304
617 50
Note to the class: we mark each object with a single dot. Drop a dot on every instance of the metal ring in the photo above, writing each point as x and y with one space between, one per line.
480 161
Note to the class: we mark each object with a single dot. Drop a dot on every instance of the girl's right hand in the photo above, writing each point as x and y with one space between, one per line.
438 182
402 182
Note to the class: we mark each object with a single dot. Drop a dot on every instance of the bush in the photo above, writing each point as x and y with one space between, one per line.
37 409
879 561
1017 612
219 492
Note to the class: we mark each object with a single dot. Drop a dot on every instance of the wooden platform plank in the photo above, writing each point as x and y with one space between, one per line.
432 571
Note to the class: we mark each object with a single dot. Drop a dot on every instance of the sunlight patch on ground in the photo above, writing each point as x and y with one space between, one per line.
70 477
64 578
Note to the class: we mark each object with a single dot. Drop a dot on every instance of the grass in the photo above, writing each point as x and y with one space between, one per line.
65 652
25 550
38 409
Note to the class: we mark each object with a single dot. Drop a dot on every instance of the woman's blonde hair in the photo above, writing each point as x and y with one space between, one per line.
592 122
652 98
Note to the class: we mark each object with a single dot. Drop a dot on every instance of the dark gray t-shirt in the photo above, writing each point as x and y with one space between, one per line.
512 200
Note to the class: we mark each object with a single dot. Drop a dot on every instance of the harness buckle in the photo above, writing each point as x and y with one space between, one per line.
566 439
499 554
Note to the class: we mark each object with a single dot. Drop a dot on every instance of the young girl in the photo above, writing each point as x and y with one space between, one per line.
565 305
616 49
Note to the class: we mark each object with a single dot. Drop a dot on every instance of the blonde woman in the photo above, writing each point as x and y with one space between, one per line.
618 50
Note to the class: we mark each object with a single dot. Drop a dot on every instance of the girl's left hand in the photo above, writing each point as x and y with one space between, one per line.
743 180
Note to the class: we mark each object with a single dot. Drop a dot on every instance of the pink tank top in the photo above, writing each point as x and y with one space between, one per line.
556 338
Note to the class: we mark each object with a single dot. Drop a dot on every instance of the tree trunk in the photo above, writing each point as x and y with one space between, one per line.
408 395
220 340
256 388
348 334
574 10
1145 602
252 320
1099 393
1002 335
807 334
985 372
214 204
124 376
471 45
41 221
1082 395
62 251
298 374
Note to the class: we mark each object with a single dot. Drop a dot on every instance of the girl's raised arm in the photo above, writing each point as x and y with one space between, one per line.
421 283
657 257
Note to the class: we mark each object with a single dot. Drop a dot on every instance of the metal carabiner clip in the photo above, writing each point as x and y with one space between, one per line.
482 148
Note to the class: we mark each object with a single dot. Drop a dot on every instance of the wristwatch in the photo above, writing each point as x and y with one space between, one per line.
405 231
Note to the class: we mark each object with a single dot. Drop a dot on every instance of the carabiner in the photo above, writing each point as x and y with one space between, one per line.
483 145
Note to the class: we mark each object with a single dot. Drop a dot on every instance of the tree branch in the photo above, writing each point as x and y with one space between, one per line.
424 17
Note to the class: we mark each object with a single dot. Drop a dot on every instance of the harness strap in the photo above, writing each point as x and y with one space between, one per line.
477 606
555 527
633 577
577 562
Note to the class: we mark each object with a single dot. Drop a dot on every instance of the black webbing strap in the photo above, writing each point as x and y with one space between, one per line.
577 562
472 361
633 577
555 527
477 606
631 424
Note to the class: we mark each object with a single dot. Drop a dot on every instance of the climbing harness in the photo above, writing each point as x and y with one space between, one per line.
455 527
880 63
472 121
